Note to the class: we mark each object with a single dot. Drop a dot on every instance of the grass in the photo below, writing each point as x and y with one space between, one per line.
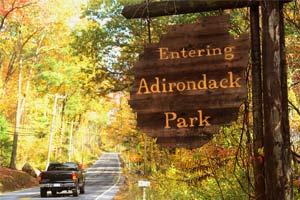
130 189
11 180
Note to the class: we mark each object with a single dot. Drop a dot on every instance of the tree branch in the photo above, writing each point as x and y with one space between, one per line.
11 10
298 82
294 107
296 156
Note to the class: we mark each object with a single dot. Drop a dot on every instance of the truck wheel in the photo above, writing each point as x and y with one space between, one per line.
81 189
43 192
54 192
75 191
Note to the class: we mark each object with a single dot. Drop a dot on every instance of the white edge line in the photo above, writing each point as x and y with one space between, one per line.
109 189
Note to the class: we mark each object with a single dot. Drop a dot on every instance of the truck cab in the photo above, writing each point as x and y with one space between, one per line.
67 176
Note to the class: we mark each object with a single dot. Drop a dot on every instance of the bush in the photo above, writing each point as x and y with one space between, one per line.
5 143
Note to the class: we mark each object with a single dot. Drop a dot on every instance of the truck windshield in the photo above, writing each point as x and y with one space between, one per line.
62 166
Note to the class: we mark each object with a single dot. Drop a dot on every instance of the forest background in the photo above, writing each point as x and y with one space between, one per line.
66 69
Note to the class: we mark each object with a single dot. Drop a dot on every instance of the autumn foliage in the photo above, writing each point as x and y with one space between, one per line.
84 52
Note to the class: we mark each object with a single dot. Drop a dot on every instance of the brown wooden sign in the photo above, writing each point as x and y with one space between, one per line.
190 83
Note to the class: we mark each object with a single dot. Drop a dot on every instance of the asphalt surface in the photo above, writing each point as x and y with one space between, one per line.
103 180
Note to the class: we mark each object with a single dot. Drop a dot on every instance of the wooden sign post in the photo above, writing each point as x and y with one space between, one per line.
271 127
190 83
278 173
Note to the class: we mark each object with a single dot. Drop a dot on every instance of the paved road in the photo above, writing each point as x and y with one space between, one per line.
103 180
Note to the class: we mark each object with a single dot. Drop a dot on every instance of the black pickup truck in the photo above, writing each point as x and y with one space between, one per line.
62 176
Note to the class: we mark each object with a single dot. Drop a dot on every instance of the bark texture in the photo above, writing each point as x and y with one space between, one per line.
163 8
278 173
258 136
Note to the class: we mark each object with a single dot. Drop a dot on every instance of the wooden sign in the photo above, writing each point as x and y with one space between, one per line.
190 83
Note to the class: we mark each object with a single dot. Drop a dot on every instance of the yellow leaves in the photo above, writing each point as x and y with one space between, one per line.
131 2
171 172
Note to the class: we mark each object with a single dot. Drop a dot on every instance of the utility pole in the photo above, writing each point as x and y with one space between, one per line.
52 127
82 149
71 141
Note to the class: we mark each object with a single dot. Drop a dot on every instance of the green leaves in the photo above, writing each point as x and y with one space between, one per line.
5 142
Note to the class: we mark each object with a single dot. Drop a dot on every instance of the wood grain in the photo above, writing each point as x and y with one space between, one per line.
221 104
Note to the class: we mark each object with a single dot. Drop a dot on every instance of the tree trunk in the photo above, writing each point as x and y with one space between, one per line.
278 172
258 169
19 108
21 98
59 149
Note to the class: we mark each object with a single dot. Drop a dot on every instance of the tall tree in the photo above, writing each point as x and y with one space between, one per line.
276 122
22 38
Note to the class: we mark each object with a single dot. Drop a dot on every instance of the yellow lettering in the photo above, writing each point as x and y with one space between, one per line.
164 90
183 53
223 82
203 122
161 85
217 51
174 54
228 55
191 85
233 83
202 83
212 84
163 53
186 122
200 51
143 85
192 119
180 86
192 53
169 116
171 85
155 87
181 123
208 50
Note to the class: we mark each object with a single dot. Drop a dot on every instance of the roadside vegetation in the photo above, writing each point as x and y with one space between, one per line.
11 180
66 70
